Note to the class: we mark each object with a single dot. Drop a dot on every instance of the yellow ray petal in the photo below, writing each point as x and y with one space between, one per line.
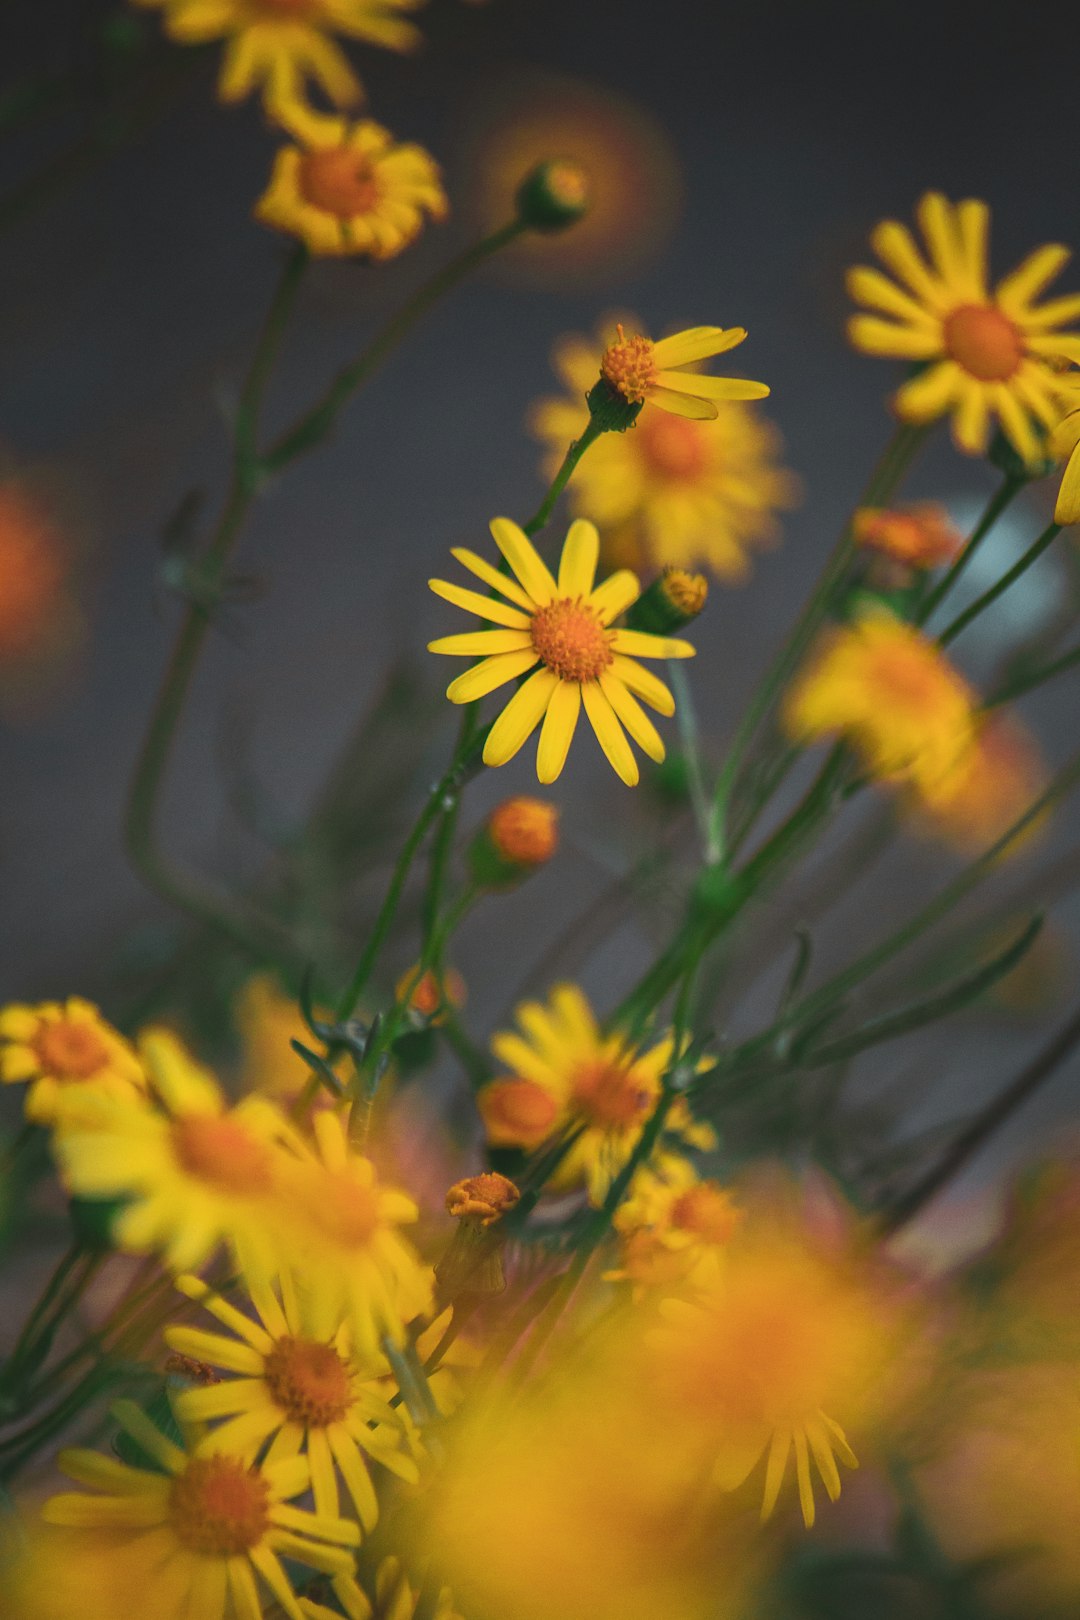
1067 509
971 423
633 716
677 404
354 1473
480 643
491 576
839 1440
490 674
1016 424
774 1470
1055 312
973 224
868 286
520 718
557 732
895 247
615 595
524 559
697 343
702 386
581 552
643 644
802 1474
214 1349
870 335
609 733
1016 290
485 607
823 1456
929 394
936 221
644 684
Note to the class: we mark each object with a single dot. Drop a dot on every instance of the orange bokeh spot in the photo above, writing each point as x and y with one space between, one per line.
32 571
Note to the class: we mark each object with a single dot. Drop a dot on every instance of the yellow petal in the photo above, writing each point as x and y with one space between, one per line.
774 1470
480 643
487 676
644 683
935 217
486 607
895 247
870 287
524 559
633 716
1015 292
581 552
609 733
492 576
973 224
702 386
697 343
557 732
667 399
643 644
870 335
802 1474
929 394
1067 509
520 717
615 595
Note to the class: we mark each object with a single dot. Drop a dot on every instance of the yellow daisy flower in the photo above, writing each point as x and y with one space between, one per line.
351 1262
195 1172
891 692
988 353
296 1394
645 372
566 627
204 1530
62 1046
922 535
564 1072
671 490
279 46
348 189
674 1228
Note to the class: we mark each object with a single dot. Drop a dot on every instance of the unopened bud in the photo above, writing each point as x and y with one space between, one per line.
429 995
472 1265
520 834
671 601
554 195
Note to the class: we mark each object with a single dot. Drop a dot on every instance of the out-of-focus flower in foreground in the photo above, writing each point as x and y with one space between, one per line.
891 693
349 189
674 1228
987 354
564 1073
564 625
197 1529
61 1046
299 1394
279 46
987 790
672 489
919 536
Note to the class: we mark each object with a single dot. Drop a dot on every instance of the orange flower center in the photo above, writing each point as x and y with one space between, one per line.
570 639
707 1211
223 1153
984 342
671 446
309 1381
219 1507
517 1113
71 1050
629 366
346 1211
610 1097
339 181
910 675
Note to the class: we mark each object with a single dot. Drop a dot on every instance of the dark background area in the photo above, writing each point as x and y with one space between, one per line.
129 302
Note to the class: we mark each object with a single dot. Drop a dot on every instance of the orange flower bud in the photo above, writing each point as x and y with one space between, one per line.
487 1197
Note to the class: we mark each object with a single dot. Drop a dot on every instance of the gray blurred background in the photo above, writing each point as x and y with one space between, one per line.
771 136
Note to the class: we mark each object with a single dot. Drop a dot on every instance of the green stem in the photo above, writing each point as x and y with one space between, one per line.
317 422
981 603
896 459
590 434
690 739
1036 677
1009 488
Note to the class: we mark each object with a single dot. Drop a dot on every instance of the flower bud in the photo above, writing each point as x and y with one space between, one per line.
472 1265
671 601
429 994
553 196
520 834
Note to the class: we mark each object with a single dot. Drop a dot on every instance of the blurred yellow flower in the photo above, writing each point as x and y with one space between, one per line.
890 692
349 1260
645 372
278 46
564 1072
296 1394
919 536
267 1020
565 626
197 1529
991 785
674 1228
61 1046
670 490
987 354
348 189
195 1172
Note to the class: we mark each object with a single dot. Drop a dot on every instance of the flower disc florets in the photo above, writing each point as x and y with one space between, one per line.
570 640
629 366
219 1507
309 1381
339 180
985 342
486 1197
